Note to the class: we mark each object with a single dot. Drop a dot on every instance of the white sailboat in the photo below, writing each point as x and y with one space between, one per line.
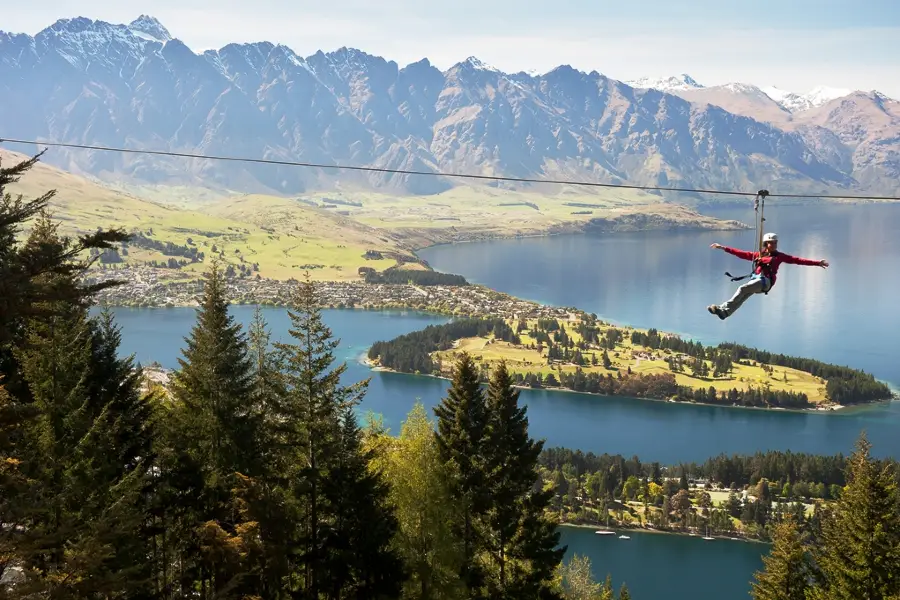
707 533
606 531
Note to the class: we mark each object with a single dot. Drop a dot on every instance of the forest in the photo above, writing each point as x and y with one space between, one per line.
594 489
844 386
250 475
397 276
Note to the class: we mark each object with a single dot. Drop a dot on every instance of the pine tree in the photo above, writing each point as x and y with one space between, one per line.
87 451
267 395
214 436
363 562
511 461
858 555
37 273
213 387
462 420
314 401
786 569
15 501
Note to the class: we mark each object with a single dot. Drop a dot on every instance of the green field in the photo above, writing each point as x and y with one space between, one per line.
522 359
326 233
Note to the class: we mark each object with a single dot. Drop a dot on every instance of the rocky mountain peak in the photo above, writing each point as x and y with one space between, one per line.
150 27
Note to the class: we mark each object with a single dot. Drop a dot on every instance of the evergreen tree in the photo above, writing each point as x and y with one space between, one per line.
41 271
87 451
511 460
363 562
313 403
266 396
786 569
462 420
858 555
15 501
213 439
213 386
269 501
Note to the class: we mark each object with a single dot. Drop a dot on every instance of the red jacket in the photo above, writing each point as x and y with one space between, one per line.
770 263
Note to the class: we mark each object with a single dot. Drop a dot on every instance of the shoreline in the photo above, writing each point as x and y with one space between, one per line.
374 367
837 408
616 223
660 532
579 228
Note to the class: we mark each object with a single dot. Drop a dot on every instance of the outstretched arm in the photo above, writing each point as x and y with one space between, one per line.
734 251
806 262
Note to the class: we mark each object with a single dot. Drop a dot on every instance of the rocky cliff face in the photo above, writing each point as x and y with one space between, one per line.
134 86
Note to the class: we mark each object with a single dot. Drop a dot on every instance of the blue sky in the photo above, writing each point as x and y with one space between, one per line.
792 44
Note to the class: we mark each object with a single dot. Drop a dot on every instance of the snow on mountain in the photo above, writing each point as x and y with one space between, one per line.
666 84
91 82
149 28
799 102
789 100
480 65
823 94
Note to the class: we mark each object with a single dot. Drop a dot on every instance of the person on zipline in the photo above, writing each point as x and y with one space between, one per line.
764 273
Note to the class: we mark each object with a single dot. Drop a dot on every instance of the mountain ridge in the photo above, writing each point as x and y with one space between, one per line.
136 86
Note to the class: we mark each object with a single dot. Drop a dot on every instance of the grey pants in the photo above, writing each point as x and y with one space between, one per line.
756 285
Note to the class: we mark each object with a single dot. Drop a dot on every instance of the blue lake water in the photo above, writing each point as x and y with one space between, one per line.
846 315
656 565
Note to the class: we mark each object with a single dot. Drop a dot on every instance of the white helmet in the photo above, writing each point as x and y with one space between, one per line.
770 237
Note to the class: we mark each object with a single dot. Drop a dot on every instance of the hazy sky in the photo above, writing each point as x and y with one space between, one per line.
792 44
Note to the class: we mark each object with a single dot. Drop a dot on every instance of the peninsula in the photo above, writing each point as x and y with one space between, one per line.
577 352
361 253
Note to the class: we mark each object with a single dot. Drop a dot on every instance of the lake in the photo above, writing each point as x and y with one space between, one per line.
845 315
660 431
603 424
658 565
662 279
665 280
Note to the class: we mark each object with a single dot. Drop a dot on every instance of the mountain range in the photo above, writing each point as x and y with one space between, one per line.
136 86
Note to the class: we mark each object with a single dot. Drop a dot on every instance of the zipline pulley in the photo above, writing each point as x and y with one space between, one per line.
759 209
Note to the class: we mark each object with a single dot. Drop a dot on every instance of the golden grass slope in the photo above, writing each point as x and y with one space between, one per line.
522 359
328 233
283 240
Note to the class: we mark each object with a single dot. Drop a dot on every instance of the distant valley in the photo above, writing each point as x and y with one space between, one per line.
331 235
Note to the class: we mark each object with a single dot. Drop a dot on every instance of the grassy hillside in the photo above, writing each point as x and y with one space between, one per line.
282 239
522 359
329 233
480 212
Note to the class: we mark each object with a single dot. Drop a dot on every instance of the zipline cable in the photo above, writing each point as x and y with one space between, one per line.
432 173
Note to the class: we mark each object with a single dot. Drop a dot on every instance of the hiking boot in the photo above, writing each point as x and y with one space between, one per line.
715 310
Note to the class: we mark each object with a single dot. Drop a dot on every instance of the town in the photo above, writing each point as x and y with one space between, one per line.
153 287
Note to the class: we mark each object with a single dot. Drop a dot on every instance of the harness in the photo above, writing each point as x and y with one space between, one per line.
759 208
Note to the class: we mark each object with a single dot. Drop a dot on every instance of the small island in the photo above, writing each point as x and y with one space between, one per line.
581 353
